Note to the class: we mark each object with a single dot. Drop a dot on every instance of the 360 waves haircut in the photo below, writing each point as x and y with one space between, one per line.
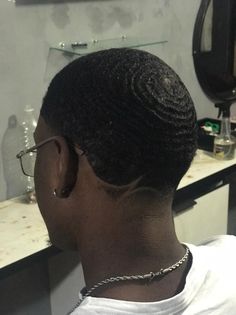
129 112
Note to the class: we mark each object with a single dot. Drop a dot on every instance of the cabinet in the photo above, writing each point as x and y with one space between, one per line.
207 217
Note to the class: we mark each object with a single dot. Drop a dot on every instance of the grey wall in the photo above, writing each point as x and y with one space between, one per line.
27 32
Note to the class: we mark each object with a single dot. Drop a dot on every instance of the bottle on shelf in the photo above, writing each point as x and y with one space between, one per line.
29 124
12 143
224 143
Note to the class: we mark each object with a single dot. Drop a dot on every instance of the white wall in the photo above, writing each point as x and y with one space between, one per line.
27 32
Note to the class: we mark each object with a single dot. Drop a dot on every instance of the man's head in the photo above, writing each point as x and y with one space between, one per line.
131 116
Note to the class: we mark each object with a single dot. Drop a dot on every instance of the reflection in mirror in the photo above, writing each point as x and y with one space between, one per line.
214 50
206 40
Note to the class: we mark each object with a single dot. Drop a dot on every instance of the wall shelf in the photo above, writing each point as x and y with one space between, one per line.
60 55
83 48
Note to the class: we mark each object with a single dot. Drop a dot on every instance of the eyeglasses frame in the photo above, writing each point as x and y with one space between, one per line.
39 145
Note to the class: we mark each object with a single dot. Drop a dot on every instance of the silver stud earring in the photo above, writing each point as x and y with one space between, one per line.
55 193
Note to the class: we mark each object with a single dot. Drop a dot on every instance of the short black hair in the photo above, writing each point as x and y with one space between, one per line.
129 112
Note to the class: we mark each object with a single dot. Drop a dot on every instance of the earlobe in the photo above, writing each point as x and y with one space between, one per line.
64 193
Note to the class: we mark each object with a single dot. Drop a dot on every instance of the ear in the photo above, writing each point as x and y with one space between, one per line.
66 168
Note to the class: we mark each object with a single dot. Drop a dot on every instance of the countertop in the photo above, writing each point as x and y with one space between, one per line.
23 232
204 165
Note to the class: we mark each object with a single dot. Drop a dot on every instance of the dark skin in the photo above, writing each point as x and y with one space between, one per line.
113 236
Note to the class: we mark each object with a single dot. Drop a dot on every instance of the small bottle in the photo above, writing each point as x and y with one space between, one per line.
29 124
12 143
224 143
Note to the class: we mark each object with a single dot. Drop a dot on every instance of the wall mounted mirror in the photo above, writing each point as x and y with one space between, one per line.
214 49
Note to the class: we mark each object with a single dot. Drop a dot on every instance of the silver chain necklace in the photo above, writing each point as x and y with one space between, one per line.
149 276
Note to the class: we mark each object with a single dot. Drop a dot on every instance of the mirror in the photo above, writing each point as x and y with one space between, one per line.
214 49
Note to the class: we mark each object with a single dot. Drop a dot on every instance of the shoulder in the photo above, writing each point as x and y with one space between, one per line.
217 256
213 275
216 245
90 306
219 246
220 241
84 310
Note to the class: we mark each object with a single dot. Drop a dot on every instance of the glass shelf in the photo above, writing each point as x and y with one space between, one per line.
59 56
83 48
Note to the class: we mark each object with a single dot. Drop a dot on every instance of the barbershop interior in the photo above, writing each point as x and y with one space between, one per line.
196 38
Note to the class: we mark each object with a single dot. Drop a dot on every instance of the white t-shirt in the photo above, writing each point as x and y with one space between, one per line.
210 287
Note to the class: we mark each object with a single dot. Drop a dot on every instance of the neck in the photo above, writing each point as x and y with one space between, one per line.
128 248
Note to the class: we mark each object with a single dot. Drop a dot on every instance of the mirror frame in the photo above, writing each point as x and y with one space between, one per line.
217 64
